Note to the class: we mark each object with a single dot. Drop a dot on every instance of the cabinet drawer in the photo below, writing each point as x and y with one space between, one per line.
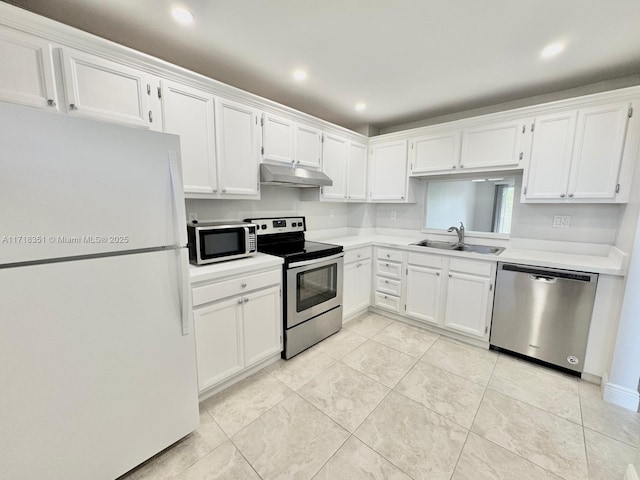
389 269
470 266
237 286
357 254
392 255
390 302
386 285
422 260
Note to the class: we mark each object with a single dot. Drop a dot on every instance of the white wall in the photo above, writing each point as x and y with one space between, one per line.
275 201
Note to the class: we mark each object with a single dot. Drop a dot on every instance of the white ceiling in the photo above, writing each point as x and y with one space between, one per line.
407 59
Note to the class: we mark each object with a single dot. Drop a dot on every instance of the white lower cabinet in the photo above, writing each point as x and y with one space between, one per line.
388 264
450 293
237 323
356 293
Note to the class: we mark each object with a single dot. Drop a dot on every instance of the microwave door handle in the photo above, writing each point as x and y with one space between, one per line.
246 239
315 260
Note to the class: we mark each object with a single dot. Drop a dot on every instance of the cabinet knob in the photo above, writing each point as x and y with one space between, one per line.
386 281
454 167
244 284
461 166
73 106
562 195
359 265
450 275
345 196
240 301
386 264
388 256
224 190
359 255
571 194
150 116
246 299
51 103
386 297
437 274
215 190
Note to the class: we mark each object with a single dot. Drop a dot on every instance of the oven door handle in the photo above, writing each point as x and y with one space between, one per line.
315 260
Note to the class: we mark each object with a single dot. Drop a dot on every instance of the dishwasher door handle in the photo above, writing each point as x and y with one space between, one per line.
542 278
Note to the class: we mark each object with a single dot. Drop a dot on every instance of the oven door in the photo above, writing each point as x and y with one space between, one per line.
313 287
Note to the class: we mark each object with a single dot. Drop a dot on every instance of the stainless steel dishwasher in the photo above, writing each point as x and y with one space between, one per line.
543 313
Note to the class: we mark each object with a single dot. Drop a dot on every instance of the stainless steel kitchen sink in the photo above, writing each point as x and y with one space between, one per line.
466 247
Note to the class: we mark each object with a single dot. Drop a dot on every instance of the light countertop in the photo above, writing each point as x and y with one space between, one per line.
610 265
215 271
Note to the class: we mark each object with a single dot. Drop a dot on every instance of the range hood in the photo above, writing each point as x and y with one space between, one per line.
292 176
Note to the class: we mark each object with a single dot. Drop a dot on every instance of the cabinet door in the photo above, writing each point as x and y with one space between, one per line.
597 151
334 164
466 308
389 171
218 336
423 293
27 70
548 171
237 142
277 139
362 295
496 145
357 172
434 153
262 324
105 90
308 146
189 112
349 296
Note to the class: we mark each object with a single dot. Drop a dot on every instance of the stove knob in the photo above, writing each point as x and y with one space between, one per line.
263 226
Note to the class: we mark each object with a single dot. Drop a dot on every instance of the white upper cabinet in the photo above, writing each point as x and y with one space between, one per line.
189 112
577 155
548 171
278 139
308 142
436 152
334 165
237 143
27 70
357 172
388 171
597 151
105 90
493 146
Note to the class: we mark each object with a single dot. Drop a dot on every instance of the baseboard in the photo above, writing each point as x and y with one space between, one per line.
630 473
619 395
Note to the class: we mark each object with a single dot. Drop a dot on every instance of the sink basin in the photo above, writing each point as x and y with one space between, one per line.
466 247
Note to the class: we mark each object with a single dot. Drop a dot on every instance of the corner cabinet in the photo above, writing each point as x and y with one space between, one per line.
576 155
451 293
345 162
389 181
28 76
237 325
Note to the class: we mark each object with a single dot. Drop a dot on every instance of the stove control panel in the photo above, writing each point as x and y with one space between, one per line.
268 226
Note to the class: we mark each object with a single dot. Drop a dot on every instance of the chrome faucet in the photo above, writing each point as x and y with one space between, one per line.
459 231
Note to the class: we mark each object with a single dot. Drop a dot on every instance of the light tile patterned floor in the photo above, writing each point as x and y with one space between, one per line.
384 400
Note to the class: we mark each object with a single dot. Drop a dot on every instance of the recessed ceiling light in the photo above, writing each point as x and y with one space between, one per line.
479 180
182 15
300 75
552 50
360 106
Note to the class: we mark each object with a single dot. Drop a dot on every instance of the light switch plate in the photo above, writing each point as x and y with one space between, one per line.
561 221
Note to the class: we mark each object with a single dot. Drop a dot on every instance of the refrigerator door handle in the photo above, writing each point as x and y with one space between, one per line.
178 199
184 290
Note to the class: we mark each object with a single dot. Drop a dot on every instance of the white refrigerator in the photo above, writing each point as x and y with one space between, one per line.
97 356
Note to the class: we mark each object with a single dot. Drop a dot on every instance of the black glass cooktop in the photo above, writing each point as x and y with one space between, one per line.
294 251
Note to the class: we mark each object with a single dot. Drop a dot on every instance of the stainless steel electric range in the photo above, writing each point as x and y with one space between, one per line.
312 276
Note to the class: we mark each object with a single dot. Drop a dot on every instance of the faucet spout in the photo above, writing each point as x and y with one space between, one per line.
459 232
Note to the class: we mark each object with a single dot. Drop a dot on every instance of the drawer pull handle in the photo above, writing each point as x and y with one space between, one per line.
386 264
388 256
385 297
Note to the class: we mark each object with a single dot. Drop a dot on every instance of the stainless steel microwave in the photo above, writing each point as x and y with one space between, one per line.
220 241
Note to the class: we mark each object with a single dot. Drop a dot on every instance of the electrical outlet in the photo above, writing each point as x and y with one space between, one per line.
561 221
332 212
193 217
394 215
